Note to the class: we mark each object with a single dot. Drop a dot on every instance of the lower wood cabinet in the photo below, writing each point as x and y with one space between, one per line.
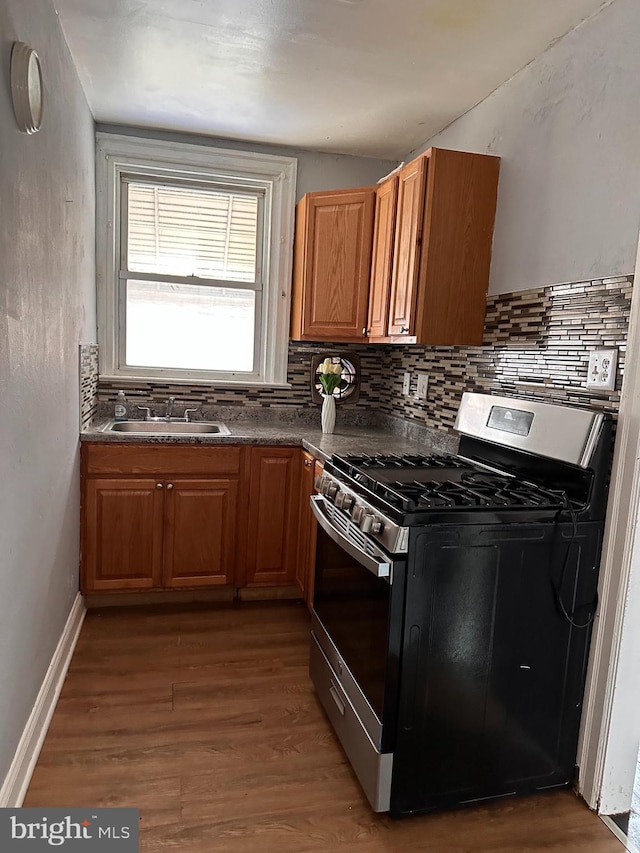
200 541
123 523
144 534
160 517
307 528
193 517
273 517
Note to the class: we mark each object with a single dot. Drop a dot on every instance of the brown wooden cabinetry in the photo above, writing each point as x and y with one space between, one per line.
332 265
182 517
274 492
382 257
307 528
123 539
163 531
441 251
200 543
408 239
455 256
430 260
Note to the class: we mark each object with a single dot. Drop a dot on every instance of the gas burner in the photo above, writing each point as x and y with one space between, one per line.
364 461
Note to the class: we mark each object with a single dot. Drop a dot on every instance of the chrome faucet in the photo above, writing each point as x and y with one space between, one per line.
169 409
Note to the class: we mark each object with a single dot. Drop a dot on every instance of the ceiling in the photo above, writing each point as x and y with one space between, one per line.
370 77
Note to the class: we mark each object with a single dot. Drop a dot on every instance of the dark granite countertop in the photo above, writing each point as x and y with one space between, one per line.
345 439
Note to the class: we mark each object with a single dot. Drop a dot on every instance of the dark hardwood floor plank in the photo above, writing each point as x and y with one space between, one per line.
203 716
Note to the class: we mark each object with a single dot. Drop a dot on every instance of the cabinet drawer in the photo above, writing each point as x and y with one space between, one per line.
159 459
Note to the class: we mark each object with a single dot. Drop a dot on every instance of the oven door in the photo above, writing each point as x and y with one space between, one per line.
357 619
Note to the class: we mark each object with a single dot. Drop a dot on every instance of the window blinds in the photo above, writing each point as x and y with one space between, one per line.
192 232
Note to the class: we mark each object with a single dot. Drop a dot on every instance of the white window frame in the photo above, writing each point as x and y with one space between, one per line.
125 157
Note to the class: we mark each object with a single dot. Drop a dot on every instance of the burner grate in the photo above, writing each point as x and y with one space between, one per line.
474 489
390 460
416 482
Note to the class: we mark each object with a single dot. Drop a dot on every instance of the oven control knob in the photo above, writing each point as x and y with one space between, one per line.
331 490
318 482
356 513
377 525
366 522
347 501
339 501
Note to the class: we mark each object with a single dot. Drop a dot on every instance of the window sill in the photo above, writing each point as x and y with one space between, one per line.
127 381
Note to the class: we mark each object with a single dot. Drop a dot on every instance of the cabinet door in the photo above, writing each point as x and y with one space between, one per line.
337 265
460 207
200 532
307 529
382 258
274 512
411 190
123 534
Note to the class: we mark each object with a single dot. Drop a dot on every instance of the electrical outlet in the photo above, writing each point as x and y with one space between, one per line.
406 384
423 384
602 369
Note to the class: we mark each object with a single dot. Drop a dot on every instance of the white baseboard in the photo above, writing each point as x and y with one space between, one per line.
14 787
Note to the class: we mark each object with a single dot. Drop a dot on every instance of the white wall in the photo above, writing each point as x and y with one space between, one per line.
315 171
47 306
568 130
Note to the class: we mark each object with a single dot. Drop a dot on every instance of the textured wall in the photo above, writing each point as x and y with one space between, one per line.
567 129
47 306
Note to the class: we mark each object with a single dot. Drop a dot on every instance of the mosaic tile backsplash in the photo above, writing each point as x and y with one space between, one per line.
88 384
536 346
293 400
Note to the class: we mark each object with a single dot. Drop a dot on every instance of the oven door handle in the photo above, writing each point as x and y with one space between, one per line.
381 569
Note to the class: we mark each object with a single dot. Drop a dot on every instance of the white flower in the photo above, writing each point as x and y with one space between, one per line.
328 366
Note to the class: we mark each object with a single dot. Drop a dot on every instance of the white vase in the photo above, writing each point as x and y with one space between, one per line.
328 413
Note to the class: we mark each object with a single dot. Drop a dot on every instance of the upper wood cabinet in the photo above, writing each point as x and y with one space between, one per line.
382 258
430 260
332 265
408 239
455 253
441 250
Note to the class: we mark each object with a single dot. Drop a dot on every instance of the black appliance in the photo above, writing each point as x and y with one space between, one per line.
453 603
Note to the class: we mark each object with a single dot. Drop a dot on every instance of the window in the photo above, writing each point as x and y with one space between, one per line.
195 247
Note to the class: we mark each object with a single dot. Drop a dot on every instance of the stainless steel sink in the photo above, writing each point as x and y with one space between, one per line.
169 428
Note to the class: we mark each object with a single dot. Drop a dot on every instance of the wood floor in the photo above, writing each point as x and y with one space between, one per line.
204 718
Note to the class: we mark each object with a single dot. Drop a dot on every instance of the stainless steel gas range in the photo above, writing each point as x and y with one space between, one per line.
453 602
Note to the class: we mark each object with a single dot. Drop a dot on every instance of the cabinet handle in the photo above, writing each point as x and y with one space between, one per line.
404 330
158 485
308 463
365 331
169 486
